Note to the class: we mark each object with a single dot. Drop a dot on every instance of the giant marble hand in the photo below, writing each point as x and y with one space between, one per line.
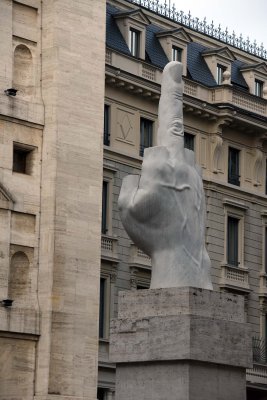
163 210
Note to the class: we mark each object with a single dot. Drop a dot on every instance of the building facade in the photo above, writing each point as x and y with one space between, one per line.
62 266
225 110
52 53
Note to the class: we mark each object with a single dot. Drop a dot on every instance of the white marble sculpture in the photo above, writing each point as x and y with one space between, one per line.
163 210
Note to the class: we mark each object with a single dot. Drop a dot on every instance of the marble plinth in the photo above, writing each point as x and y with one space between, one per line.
180 344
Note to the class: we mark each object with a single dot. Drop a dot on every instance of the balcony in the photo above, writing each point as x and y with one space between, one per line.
258 374
138 258
235 278
119 73
109 251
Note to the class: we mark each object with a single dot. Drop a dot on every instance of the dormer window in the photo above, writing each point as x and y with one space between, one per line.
176 54
134 42
219 62
220 70
132 25
174 42
255 76
258 88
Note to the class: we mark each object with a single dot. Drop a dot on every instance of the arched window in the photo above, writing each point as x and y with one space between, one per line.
18 276
23 79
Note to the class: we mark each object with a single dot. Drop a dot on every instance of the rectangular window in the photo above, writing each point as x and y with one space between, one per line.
22 159
134 42
258 88
146 135
233 166
106 125
189 141
102 308
176 54
104 207
232 241
220 71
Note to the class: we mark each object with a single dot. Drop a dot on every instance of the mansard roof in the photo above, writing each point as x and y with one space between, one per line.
196 65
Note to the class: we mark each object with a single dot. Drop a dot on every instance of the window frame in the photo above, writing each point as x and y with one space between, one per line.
233 255
104 320
134 41
187 138
142 145
177 53
234 178
219 73
237 210
28 153
105 203
106 128
258 88
108 177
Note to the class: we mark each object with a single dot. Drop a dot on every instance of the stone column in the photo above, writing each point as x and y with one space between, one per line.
180 344
73 70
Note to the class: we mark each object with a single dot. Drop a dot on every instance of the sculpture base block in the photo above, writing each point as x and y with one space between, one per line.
180 344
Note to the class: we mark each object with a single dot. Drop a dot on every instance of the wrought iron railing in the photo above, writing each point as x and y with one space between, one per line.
163 8
259 350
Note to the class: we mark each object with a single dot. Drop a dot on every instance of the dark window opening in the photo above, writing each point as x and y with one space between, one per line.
189 141
104 227
101 394
22 159
102 308
232 241
233 166
106 125
146 135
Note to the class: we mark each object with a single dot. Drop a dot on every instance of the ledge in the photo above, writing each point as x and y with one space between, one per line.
236 204
19 320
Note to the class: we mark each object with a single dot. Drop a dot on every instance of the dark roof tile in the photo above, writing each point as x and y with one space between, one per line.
197 66
114 38
153 47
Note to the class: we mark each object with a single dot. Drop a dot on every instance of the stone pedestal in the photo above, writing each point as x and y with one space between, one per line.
180 344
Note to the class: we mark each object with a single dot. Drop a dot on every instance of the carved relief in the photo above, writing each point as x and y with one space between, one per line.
216 153
125 131
257 168
248 164
203 152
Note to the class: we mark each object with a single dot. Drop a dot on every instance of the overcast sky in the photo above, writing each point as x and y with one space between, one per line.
242 16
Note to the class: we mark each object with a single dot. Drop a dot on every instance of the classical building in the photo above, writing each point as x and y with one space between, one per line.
225 110
58 154
52 54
